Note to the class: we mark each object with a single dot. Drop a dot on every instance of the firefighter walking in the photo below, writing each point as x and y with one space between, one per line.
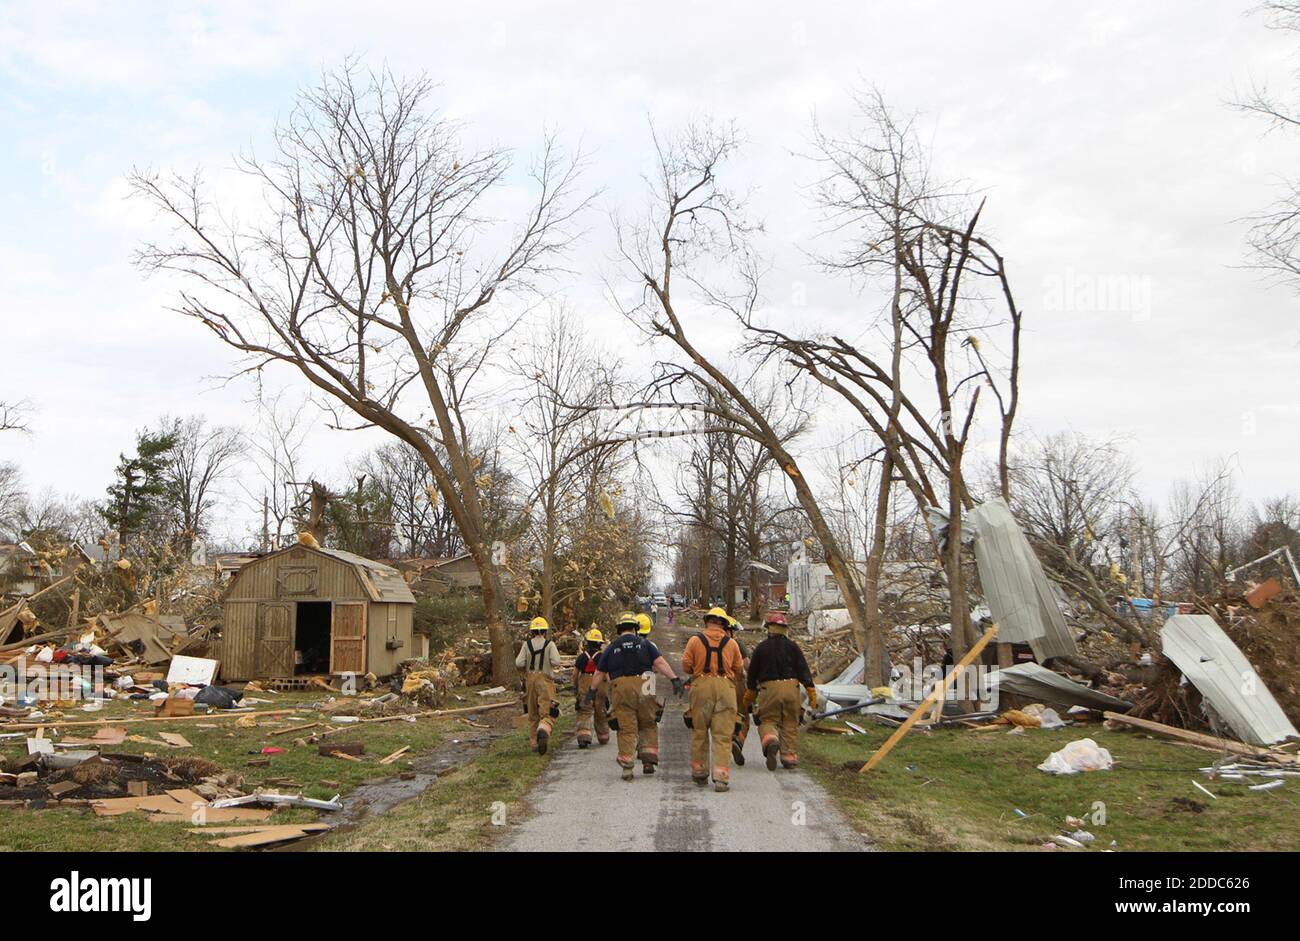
777 670
539 658
595 713
628 664
712 659
742 716
651 700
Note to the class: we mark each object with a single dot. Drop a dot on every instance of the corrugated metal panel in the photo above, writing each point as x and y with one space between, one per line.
1019 596
1044 685
1220 671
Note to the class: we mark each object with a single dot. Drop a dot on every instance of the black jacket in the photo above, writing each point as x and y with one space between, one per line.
778 658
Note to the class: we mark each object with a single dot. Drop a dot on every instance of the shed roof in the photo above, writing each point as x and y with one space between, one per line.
382 582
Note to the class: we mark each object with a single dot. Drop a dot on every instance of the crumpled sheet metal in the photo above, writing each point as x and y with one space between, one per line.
1220 671
1019 596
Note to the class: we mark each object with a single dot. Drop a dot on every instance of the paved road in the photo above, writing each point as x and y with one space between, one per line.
581 803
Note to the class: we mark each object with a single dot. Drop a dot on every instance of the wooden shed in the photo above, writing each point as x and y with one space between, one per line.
304 611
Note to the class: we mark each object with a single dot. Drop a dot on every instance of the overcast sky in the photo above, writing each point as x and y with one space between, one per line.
1115 175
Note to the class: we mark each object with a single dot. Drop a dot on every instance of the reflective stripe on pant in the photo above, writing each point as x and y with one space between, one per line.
742 718
713 716
594 714
636 723
778 707
647 739
540 691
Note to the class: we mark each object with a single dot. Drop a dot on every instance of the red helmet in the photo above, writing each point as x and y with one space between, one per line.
776 617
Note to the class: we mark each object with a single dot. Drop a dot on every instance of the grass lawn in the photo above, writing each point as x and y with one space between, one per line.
458 810
299 770
959 790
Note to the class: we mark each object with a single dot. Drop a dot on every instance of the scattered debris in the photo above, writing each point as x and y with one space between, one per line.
1080 755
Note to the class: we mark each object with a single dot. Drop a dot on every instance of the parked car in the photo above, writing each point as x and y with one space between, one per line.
659 599
679 601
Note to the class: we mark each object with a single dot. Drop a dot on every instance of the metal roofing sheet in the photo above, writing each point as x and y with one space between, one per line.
1019 596
1039 683
1220 671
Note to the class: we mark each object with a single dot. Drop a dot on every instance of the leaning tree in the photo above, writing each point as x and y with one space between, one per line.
376 272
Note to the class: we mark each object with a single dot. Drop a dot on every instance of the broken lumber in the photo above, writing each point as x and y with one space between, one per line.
31 726
395 755
936 696
1199 739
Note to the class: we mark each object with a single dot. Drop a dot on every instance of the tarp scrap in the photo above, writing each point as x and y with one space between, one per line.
1220 671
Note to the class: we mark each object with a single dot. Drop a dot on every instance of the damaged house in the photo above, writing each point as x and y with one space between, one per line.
306 611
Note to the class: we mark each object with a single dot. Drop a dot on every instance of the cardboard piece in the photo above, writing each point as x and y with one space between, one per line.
192 671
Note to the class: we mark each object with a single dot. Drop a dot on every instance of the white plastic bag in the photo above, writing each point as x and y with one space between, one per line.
1080 755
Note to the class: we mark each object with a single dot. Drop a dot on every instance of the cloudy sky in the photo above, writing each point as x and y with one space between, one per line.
1115 174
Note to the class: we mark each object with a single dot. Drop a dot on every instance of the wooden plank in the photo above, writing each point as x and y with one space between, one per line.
263 837
1194 738
29 726
936 695
395 755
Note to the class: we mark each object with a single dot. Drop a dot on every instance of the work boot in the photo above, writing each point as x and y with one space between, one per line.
791 762
721 786
543 737
738 751
582 744
701 781
628 773
770 753
647 767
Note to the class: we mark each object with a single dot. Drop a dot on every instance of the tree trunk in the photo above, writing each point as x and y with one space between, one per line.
875 655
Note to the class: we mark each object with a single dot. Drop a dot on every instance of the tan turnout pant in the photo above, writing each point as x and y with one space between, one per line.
778 708
713 716
539 690
592 714
637 732
742 716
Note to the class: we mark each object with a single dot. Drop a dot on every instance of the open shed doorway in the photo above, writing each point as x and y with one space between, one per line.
311 641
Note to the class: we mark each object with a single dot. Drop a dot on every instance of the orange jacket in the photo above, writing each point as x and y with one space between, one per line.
694 654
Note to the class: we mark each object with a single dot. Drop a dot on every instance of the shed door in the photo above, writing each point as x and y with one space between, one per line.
274 640
348 638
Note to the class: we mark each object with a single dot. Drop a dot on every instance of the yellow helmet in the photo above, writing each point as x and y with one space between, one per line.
732 623
628 619
643 619
595 635
719 614
539 624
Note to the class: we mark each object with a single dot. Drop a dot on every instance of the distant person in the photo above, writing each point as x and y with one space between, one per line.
776 671
539 658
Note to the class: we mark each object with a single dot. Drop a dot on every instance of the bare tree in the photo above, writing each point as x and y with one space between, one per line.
1073 496
948 287
13 498
13 415
556 423
376 276
274 447
1274 234
696 223
201 459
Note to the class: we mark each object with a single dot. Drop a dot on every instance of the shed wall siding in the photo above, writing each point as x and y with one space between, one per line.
239 640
